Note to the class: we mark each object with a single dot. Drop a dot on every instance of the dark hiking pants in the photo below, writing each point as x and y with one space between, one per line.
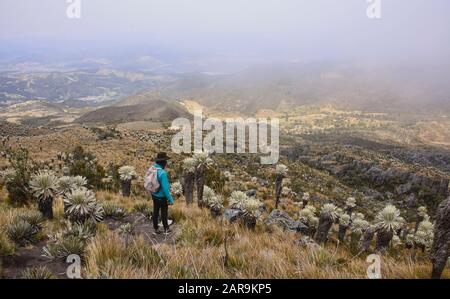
160 204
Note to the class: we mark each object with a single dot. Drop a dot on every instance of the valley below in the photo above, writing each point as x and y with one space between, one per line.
331 155
334 157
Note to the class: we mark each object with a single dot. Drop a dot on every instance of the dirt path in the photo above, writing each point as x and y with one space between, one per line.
144 227
32 256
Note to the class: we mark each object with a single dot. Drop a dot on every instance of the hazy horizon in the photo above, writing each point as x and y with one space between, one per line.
409 32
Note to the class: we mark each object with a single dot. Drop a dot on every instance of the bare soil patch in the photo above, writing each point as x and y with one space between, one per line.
32 257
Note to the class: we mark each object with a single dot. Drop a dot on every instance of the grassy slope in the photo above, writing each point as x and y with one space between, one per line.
199 250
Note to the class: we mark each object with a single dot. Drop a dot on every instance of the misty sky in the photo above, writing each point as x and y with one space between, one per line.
409 30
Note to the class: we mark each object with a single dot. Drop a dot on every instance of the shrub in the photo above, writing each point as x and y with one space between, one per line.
177 189
252 207
22 233
79 182
81 205
144 256
359 225
189 165
213 201
387 222
127 173
6 247
44 187
63 246
44 184
113 210
17 180
216 203
143 208
215 179
83 231
345 220
7 176
34 218
212 236
127 229
425 234
237 200
388 219
105 134
281 169
85 164
305 215
329 210
65 184
328 215
114 176
37 273
202 158
177 215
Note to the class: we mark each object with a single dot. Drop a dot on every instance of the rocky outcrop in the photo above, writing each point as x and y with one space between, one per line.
283 220
251 193
404 188
399 181
438 159
232 215
403 181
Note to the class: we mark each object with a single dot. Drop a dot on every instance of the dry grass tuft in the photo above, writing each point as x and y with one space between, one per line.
207 247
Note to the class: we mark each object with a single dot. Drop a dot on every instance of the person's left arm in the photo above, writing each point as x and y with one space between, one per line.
165 187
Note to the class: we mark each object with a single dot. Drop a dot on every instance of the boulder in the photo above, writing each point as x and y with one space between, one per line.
283 220
403 189
232 214
251 193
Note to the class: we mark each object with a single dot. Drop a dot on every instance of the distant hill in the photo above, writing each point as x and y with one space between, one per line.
90 86
31 109
281 87
155 110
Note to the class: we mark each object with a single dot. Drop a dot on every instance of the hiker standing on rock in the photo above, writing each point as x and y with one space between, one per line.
157 183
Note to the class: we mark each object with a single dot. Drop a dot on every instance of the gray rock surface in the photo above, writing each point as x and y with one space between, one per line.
282 219
232 214
251 193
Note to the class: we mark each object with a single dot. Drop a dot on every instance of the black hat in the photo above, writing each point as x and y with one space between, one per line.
161 157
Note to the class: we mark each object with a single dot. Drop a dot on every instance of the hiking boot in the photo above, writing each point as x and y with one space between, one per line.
167 231
169 222
157 232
